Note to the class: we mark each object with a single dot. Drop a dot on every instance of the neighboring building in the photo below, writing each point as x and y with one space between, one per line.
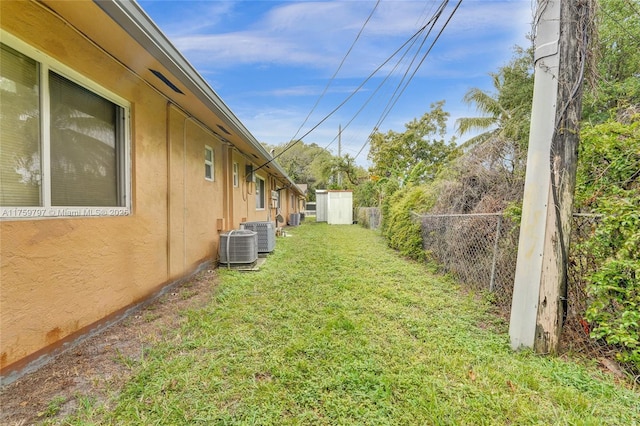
119 169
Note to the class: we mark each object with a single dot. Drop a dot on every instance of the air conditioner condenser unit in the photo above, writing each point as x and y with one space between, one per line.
238 247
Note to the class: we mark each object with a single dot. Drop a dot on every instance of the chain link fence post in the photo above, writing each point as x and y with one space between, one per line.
492 280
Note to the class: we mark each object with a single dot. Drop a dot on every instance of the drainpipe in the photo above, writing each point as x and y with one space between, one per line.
184 192
168 137
225 186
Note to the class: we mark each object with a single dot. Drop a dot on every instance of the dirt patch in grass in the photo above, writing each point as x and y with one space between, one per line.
97 368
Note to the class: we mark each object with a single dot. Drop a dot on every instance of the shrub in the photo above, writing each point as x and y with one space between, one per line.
609 183
401 230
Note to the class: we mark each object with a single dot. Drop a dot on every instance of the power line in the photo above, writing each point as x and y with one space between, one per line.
433 20
336 72
391 72
619 24
633 6
394 101
353 93
395 95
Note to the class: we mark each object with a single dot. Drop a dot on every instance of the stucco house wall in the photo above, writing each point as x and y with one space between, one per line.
63 275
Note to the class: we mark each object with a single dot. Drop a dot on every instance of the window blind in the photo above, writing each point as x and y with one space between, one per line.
20 156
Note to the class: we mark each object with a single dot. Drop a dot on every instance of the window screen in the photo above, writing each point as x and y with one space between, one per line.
84 145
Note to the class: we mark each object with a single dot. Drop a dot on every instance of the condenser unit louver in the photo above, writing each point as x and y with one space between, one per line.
266 235
238 247
294 219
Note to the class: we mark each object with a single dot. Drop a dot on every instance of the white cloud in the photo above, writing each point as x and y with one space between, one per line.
189 17
305 42
241 48
306 33
317 35
483 15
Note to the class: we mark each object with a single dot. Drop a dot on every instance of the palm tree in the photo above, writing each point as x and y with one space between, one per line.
505 114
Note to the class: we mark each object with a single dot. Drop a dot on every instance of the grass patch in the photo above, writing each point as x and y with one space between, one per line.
337 329
54 407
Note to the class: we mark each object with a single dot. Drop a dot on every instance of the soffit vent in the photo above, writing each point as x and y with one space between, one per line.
223 129
166 81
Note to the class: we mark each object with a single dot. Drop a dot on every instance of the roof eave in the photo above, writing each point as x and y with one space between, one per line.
134 20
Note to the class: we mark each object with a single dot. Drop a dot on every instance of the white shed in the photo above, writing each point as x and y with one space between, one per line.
322 198
340 208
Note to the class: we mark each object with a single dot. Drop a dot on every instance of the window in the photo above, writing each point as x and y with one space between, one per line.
208 163
236 175
259 193
20 152
63 150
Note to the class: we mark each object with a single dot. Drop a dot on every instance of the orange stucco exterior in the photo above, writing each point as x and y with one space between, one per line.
60 277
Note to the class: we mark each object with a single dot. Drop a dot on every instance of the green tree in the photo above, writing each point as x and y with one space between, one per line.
366 194
304 163
505 113
617 54
343 173
416 154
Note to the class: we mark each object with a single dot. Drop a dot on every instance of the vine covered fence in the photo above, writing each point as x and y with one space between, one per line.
369 217
480 252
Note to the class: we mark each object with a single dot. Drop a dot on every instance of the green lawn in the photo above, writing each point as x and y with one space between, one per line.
337 329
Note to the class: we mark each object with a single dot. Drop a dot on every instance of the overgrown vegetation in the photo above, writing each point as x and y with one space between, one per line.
609 184
489 176
609 180
338 329
401 230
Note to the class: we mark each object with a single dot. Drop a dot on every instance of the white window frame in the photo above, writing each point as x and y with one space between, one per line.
209 163
261 195
236 175
46 210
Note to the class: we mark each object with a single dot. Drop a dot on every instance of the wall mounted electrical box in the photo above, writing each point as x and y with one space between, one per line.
250 176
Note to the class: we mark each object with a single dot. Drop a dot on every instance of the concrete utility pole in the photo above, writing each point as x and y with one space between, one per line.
540 288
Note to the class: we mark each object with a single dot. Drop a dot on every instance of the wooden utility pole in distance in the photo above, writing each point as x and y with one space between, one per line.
340 153
540 287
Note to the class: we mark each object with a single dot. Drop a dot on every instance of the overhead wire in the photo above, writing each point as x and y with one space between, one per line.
433 20
395 96
344 58
632 6
619 24
382 83
351 95
395 100
338 69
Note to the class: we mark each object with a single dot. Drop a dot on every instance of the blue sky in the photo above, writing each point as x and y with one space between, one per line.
271 60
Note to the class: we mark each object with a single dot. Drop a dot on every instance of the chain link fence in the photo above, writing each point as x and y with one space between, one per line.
582 263
480 252
369 217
